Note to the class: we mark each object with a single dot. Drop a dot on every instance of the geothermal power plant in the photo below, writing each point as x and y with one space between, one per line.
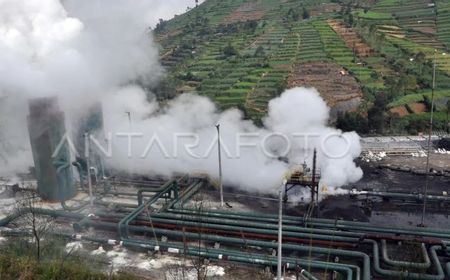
224 140
367 230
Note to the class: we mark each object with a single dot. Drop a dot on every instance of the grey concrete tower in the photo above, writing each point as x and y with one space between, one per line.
46 126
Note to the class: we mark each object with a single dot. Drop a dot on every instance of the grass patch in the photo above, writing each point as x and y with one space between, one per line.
26 268
375 15
418 97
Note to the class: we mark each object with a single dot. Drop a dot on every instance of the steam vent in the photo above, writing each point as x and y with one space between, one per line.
53 170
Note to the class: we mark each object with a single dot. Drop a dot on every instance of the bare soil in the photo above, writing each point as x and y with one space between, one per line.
400 110
350 37
340 90
418 107
247 11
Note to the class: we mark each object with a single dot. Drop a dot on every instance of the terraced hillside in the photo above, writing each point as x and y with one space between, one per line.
363 57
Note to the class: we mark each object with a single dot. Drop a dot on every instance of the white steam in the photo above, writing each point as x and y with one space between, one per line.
300 114
79 51
87 51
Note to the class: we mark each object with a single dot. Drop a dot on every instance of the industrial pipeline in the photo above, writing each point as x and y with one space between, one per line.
311 245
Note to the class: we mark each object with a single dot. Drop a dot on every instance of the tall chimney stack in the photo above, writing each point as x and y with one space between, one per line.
46 127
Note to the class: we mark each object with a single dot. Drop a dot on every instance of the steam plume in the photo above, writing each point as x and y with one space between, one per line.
86 51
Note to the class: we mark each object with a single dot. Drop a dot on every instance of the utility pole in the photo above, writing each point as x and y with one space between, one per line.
280 231
427 180
129 118
314 188
88 166
220 165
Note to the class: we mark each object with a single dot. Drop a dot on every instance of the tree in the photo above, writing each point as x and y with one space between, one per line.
376 114
352 121
420 60
374 75
229 50
39 227
260 52
380 38
160 26
305 13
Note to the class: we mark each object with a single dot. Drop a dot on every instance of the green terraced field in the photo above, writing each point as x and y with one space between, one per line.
241 53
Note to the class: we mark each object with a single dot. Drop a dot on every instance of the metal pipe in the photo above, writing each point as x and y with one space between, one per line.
422 265
280 234
447 268
74 208
222 224
417 197
231 240
427 167
38 211
368 228
407 274
307 275
337 225
187 194
229 255
238 256
123 224
364 226
220 165
141 191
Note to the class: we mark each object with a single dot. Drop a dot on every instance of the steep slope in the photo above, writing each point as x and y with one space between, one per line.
242 53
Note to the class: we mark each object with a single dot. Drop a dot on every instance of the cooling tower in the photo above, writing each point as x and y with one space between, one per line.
46 127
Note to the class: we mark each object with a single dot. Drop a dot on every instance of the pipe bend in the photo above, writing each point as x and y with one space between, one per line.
406 274
396 263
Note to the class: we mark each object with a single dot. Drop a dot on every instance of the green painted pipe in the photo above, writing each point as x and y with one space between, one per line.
447 269
230 255
368 228
312 221
182 199
364 224
230 221
140 193
123 224
307 275
423 265
237 226
339 228
237 256
249 242
78 207
407 274
327 223
38 211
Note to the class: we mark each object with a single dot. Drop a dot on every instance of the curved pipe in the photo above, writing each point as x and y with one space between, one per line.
38 211
74 208
231 240
219 254
447 269
237 256
123 224
307 275
407 274
423 265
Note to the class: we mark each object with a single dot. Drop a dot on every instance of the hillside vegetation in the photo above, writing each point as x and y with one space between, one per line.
371 60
